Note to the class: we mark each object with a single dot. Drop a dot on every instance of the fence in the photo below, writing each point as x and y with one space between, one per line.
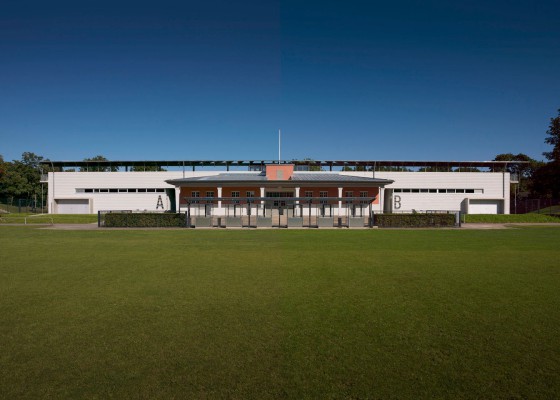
288 216
539 206
13 205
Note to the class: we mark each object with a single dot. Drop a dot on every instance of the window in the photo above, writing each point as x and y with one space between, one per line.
469 190
349 194
397 190
195 194
364 194
209 194
235 194
120 190
250 194
324 194
308 193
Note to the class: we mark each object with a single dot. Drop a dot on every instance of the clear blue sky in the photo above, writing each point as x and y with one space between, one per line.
420 80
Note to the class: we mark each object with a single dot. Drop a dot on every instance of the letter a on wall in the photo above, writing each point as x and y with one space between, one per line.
159 203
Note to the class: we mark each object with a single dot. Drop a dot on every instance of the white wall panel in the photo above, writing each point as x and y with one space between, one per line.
64 185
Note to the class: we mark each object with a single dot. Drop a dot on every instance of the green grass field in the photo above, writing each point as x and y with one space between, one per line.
333 314
25 218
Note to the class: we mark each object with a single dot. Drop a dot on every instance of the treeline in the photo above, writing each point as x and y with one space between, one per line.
21 178
539 179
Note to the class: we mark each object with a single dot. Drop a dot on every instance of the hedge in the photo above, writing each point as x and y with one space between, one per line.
144 220
414 220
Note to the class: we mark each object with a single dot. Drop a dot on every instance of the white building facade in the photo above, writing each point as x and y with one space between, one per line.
404 191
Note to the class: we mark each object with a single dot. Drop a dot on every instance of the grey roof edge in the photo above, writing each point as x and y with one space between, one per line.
233 163
213 179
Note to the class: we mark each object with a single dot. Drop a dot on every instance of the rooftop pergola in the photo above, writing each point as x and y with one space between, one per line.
375 165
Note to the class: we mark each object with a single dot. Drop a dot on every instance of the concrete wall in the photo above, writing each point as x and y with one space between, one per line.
67 185
494 185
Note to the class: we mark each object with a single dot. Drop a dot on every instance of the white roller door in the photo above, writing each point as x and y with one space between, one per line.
72 206
484 206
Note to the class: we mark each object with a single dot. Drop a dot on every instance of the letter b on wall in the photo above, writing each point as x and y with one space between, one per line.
397 202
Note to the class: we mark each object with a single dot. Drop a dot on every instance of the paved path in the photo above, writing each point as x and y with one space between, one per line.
479 226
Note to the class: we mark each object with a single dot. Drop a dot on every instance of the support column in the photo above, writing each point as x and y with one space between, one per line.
339 201
178 199
297 202
220 201
262 202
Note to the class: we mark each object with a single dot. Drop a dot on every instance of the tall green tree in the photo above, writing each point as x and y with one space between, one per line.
21 178
547 178
553 139
524 172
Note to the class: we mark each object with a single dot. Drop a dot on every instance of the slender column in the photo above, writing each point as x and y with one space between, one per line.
297 194
219 201
262 202
339 201
178 199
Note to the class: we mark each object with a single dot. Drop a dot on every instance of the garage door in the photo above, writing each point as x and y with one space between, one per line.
484 206
72 206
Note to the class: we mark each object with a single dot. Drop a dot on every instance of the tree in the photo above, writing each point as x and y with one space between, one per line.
466 169
553 139
96 167
146 168
524 172
21 178
547 177
310 165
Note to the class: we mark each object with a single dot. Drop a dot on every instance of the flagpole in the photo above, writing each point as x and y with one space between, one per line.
279 145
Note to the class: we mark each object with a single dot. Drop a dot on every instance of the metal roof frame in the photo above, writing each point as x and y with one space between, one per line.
312 163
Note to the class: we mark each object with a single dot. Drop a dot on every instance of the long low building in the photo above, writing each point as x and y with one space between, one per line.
218 187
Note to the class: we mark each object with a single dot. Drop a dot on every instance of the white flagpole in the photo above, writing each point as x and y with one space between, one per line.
279 145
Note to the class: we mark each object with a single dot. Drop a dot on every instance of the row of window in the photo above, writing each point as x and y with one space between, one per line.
233 194
141 190
438 190
280 194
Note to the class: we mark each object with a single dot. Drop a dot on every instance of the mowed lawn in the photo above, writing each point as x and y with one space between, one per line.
273 314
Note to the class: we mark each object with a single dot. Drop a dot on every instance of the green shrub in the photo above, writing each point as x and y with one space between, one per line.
143 220
414 220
